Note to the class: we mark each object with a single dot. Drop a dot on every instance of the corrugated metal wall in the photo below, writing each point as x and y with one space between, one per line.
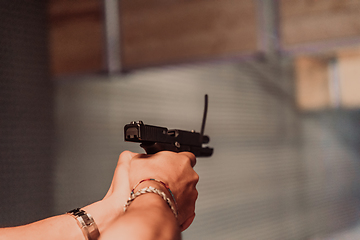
26 114
275 173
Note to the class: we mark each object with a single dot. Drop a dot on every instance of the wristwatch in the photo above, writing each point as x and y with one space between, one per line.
86 223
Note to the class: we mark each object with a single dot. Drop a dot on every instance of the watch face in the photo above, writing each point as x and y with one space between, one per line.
86 219
86 223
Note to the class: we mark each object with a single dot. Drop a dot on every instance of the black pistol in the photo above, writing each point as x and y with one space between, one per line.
154 139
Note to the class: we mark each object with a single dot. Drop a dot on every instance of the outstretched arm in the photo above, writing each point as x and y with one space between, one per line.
148 217
62 226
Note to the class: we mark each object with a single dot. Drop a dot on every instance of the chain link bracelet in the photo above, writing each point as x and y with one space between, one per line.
150 190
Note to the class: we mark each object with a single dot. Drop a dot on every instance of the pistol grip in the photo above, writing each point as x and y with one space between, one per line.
152 148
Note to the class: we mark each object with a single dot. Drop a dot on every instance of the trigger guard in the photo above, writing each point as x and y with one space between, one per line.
152 148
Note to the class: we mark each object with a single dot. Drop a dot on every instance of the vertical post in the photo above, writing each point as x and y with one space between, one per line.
268 25
112 36
334 83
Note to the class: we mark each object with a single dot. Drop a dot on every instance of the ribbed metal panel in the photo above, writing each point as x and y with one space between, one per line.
275 173
26 105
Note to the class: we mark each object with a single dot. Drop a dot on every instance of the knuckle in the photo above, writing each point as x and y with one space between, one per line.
121 157
196 178
125 157
188 157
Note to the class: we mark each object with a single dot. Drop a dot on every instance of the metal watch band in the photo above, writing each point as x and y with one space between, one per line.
86 223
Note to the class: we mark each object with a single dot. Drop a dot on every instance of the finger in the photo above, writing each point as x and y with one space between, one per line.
124 158
191 156
187 223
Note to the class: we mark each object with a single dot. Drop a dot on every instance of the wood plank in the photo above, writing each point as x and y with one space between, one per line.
165 32
349 72
75 36
312 83
307 22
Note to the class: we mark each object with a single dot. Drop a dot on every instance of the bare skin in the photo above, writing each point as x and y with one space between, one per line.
148 217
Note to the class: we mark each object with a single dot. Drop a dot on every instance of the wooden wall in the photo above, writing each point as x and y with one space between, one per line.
164 32
76 40
312 83
152 32
349 74
311 21
322 81
167 32
323 28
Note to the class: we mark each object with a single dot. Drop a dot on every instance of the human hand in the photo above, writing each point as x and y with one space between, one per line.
176 170
120 185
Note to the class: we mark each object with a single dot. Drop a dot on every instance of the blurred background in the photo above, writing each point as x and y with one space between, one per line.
284 120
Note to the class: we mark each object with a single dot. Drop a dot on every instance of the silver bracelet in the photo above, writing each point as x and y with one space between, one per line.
150 190
86 223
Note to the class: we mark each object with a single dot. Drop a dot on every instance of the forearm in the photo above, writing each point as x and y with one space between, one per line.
63 226
147 218
56 228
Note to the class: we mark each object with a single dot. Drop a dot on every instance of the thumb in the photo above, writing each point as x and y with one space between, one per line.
121 174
